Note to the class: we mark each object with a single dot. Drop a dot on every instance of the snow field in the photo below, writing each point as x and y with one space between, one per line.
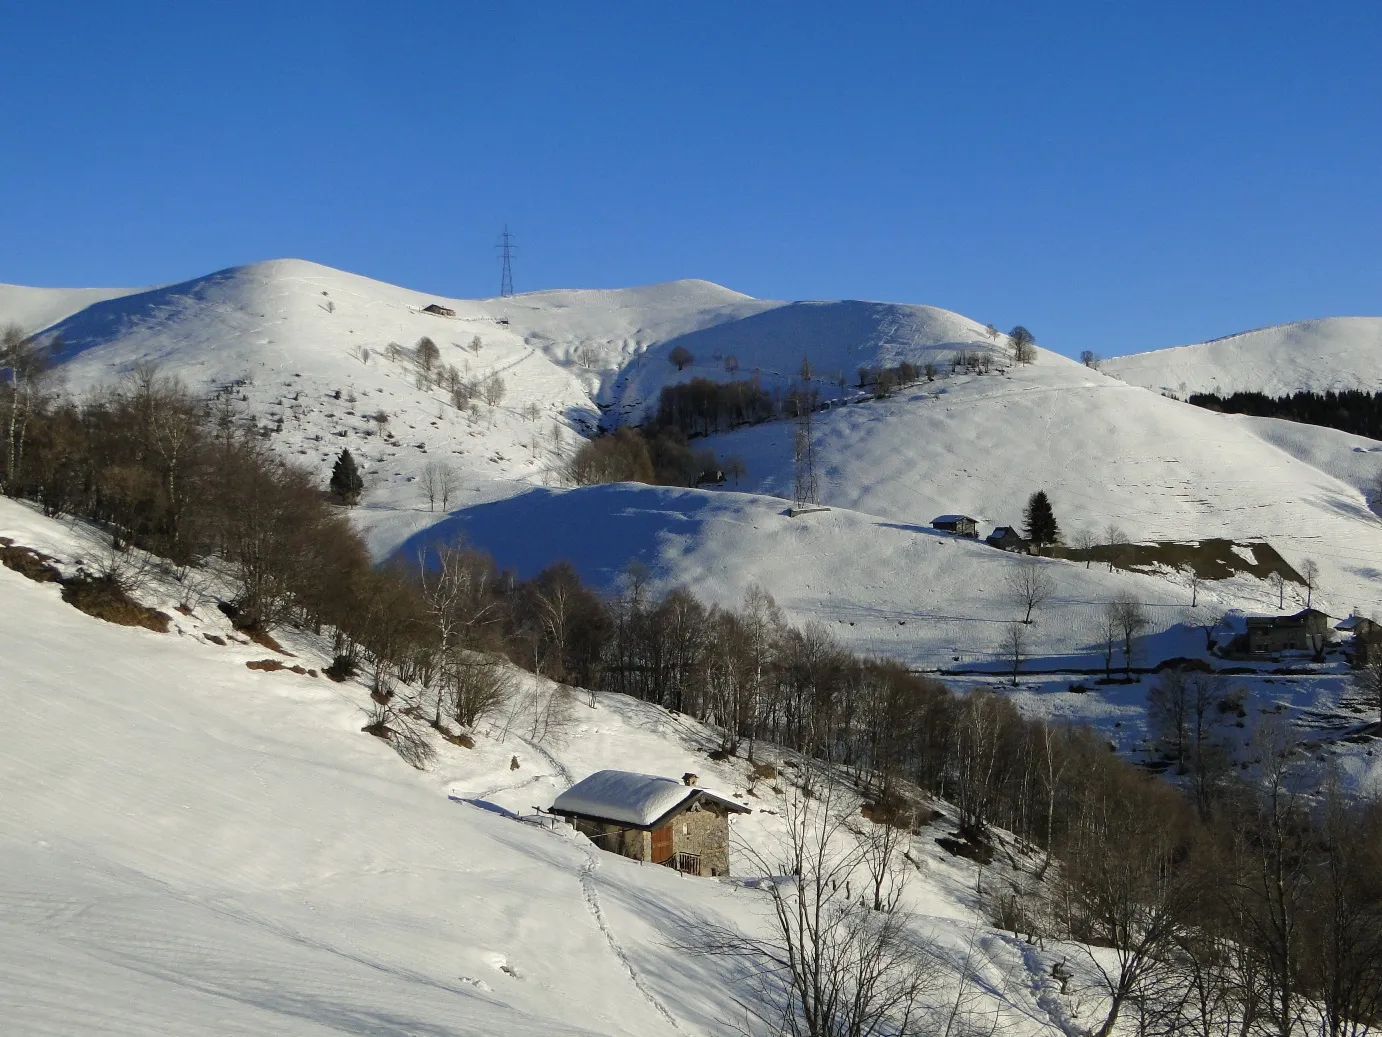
193 847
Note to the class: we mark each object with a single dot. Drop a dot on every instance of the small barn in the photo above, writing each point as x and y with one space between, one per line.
654 819
960 525
1305 631
1005 538
440 311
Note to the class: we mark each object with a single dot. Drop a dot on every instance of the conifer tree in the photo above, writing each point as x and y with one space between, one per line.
1040 520
346 482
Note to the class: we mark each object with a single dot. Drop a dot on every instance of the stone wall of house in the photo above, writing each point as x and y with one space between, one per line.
705 832
627 842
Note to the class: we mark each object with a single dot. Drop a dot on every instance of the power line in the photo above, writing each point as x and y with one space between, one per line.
506 249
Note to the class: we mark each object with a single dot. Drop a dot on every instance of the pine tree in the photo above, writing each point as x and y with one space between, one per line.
1041 528
346 483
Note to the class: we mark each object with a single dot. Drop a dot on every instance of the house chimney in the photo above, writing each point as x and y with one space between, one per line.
689 779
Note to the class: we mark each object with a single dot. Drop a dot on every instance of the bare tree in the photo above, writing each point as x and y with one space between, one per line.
1028 585
735 468
1168 709
1108 638
1090 359
680 356
1023 345
1278 583
22 360
427 353
494 389
835 967
439 483
1115 540
1121 875
1193 578
1013 645
1310 577
1130 619
1085 541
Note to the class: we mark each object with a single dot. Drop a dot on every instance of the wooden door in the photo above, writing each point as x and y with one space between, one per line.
662 844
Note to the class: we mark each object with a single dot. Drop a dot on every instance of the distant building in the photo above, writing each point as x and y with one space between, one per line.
960 525
1367 639
653 819
1306 631
440 311
1005 538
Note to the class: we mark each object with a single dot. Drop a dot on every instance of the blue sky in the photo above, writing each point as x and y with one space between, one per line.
1115 176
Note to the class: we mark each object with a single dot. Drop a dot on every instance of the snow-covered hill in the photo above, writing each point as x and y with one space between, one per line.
305 351
834 338
36 308
1334 353
194 847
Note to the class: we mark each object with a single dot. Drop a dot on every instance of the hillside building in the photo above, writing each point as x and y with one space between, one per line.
960 525
1366 646
653 819
1306 631
1005 538
438 310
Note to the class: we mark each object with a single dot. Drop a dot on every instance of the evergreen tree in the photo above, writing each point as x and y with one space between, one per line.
346 483
1040 519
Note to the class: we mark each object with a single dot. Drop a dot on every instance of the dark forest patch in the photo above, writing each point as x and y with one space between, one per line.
1349 411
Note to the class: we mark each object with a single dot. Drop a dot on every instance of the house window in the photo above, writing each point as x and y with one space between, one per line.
685 829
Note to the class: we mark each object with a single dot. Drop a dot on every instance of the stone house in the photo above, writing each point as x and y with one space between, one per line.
960 525
654 819
1306 631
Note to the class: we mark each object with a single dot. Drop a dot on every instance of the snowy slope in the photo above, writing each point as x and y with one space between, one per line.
1334 353
882 586
872 568
287 336
835 338
192 847
34 309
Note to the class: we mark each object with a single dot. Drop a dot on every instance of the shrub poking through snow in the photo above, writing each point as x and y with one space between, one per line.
27 562
342 668
104 598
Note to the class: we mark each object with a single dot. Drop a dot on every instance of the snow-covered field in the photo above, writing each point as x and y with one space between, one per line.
193 847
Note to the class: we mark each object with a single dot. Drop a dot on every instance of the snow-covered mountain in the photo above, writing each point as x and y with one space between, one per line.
33 309
1334 353
305 350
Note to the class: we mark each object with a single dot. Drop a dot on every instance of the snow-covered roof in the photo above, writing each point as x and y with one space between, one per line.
951 518
1355 622
635 799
